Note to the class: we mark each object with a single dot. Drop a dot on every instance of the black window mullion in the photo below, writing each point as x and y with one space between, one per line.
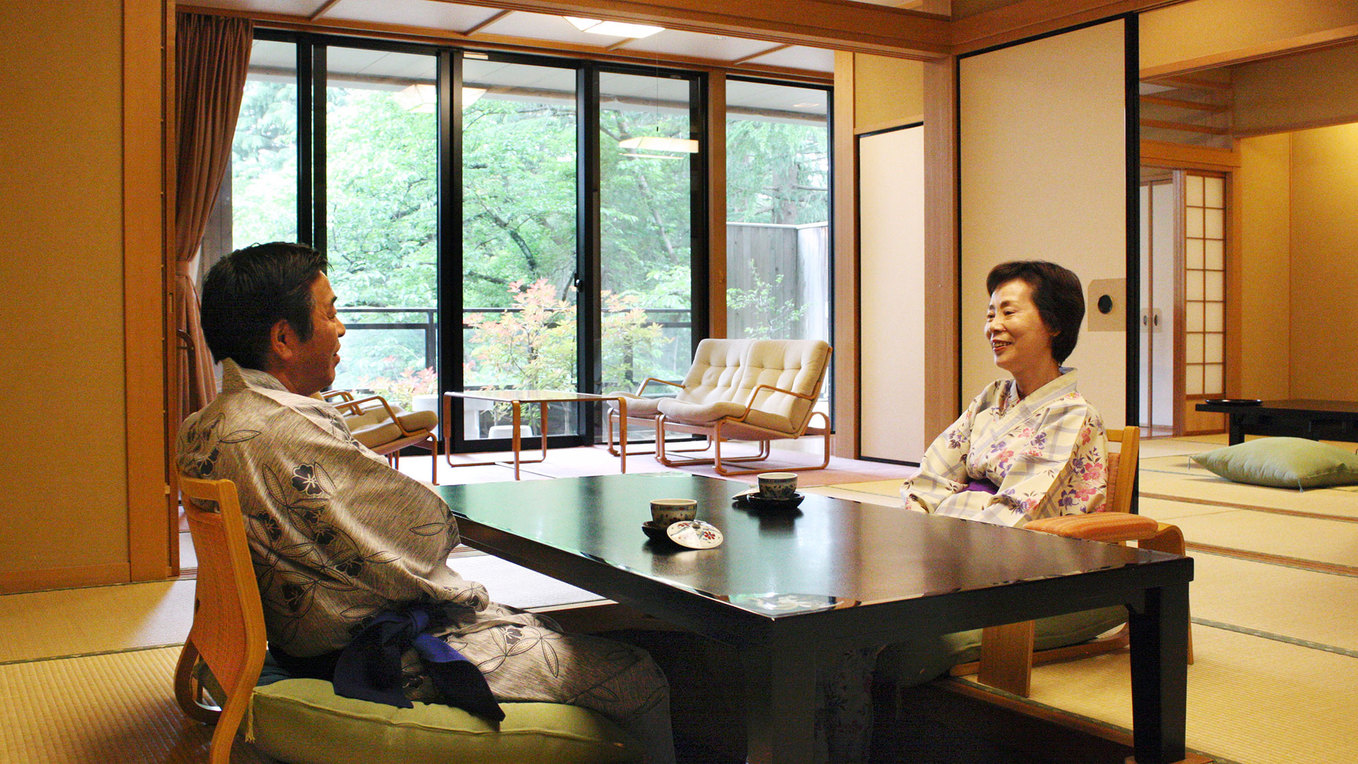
450 266
305 149
699 266
589 277
318 164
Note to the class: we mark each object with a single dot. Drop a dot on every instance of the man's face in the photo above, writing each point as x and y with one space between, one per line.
313 366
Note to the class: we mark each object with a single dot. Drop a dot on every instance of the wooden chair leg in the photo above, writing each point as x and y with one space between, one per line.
186 688
1007 657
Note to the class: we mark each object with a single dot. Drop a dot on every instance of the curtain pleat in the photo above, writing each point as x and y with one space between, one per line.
212 56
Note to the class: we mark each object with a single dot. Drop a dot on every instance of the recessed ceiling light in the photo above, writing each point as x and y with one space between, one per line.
613 28
805 105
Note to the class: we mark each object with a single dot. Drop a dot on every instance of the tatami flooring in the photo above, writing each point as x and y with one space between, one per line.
85 674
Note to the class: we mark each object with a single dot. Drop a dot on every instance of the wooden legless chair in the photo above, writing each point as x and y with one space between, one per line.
228 619
1007 654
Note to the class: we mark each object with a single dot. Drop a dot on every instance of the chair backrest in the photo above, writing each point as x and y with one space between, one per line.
716 371
1122 468
228 619
799 366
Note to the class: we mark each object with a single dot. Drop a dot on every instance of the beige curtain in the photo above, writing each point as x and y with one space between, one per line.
212 54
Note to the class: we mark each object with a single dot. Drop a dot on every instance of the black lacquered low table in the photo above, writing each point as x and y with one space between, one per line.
1294 417
788 589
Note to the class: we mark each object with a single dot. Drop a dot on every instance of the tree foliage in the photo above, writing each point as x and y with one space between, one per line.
519 224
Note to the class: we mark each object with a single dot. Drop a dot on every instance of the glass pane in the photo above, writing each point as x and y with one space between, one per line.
258 198
1214 192
1216 285
1193 221
1213 254
1214 319
1193 253
1193 348
1193 379
1213 378
381 220
1215 348
1193 318
777 212
1193 190
1193 285
1214 224
518 237
646 156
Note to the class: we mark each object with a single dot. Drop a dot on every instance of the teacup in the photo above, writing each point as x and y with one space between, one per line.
666 511
777 485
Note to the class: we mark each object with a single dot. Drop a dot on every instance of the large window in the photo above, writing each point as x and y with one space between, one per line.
648 152
519 233
512 221
381 217
777 211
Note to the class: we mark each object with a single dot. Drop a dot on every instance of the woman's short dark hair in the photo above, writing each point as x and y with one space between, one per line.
1056 292
253 288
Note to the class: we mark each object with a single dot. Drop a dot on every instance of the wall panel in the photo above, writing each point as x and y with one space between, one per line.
1043 157
891 338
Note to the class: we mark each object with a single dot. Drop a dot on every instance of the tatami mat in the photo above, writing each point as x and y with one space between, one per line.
1250 700
80 621
118 707
1203 487
1306 538
1263 597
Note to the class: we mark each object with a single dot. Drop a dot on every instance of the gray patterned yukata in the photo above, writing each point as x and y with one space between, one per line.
337 536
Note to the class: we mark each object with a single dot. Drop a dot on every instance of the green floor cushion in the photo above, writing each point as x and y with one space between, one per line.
922 659
1283 463
303 721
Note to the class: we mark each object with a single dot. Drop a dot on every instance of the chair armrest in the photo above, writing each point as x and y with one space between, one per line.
1111 527
749 405
649 380
343 396
355 406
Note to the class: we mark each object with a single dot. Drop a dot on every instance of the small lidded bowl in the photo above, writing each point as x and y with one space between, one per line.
665 512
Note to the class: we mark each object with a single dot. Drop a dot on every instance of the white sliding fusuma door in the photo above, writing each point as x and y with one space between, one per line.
1043 152
892 296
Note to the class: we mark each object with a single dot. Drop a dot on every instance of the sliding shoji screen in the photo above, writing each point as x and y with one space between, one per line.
1204 285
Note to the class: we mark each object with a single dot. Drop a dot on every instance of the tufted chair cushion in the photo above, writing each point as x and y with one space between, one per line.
712 386
796 365
725 384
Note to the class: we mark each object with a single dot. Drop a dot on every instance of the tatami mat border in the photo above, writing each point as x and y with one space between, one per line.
72 656
1275 559
1276 637
1249 507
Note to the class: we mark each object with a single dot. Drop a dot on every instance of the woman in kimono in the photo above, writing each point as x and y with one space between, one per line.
1027 447
1030 446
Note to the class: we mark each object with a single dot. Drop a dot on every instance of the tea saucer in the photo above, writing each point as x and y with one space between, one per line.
756 500
694 534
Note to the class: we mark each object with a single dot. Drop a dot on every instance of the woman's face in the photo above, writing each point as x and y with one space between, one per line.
1018 336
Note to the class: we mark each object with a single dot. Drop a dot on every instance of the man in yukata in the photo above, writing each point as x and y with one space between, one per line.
340 541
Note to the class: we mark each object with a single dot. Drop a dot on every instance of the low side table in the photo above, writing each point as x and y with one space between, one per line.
516 399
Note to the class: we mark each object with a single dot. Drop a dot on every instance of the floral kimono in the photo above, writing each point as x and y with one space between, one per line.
1008 460
337 537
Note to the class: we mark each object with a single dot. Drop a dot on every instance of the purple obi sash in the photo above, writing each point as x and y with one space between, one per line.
984 486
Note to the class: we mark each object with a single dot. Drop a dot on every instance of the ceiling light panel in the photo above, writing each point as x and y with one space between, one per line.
418 13
799 57
693 45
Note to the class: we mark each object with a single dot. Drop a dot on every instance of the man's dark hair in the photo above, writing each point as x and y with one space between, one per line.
1056 292
253 288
